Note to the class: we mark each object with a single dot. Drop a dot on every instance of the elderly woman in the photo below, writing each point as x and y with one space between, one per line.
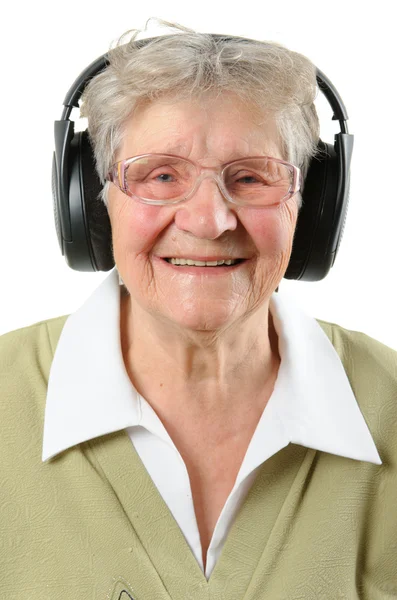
203 437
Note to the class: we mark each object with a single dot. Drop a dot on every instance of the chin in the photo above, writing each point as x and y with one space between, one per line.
198 320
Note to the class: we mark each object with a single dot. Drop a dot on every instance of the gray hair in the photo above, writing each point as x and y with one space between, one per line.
266 75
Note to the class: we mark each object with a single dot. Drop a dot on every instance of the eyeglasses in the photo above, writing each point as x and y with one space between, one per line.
161 179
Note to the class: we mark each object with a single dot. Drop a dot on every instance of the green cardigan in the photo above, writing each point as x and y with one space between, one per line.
90 524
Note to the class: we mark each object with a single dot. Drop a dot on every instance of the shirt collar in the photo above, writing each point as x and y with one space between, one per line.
90 394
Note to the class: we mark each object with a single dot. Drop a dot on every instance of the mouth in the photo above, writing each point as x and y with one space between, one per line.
210 264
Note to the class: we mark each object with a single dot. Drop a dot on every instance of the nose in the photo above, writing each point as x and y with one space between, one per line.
207 214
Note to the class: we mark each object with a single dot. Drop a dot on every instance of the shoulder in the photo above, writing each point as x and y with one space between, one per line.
353 346
371 368
19 343
26 355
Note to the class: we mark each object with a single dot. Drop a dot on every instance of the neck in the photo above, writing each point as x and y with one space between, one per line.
199 371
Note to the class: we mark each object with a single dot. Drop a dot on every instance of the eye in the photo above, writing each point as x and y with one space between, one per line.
164 175
167 174
246 177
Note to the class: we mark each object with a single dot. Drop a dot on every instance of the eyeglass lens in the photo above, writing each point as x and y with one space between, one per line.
251 181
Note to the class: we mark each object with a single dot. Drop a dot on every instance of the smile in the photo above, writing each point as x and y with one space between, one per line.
211 268
200 263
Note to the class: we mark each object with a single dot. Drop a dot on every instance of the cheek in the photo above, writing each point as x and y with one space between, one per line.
140 226
271 229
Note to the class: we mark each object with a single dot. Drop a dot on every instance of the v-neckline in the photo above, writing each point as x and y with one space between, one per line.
162 538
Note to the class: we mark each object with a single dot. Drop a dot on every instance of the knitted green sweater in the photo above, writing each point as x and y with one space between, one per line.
90 524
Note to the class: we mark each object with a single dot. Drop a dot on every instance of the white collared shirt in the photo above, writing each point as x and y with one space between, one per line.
90 394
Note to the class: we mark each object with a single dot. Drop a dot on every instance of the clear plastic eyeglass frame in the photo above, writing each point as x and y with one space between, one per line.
117 176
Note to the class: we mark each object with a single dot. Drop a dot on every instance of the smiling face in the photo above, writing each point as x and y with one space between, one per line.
205 227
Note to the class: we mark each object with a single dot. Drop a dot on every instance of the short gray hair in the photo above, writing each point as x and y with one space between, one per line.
266 75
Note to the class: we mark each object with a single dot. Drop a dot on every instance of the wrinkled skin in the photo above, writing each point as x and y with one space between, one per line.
199 336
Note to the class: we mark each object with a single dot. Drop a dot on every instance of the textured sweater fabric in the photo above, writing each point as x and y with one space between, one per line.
91 524
90 394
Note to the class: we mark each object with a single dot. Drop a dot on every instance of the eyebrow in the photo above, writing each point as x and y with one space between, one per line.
174 149
177 148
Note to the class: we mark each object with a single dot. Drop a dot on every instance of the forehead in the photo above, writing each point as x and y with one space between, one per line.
222 128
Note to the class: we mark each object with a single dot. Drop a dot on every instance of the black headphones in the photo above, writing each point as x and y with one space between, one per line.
82 221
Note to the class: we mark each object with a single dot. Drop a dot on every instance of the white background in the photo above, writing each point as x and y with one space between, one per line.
44 46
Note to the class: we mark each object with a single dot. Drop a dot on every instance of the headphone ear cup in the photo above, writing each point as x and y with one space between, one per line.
81 218
55 202
312 256
98 228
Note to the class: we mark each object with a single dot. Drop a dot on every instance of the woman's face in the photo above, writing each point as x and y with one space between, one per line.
207 226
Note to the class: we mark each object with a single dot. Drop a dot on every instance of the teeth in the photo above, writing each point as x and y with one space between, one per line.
200 263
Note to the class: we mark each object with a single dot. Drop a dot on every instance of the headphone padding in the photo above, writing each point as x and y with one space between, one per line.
97 217
311 256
